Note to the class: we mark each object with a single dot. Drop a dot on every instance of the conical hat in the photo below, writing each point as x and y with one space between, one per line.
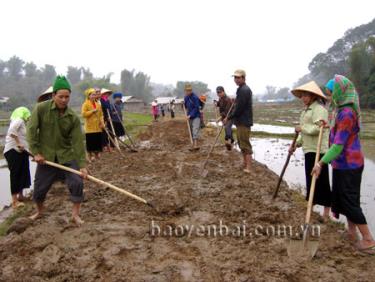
48 91
46 95
106 91
310 87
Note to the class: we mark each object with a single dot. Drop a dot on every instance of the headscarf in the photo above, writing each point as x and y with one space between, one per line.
344 94
330 84
20 112
89 92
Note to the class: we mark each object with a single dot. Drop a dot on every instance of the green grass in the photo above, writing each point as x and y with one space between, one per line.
4 226
135 123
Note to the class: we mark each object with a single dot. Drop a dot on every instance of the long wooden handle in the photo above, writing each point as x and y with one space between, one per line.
113 129
94 179
126 132
285 166
313 181
113 141
188 124
217 137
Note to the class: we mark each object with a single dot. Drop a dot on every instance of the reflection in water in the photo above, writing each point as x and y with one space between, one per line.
273 152
5 196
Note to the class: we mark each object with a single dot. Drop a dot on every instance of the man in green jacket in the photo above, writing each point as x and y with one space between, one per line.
54 134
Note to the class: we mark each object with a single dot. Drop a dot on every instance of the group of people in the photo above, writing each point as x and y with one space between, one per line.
54 133
238 112
338 113
103 120
157 108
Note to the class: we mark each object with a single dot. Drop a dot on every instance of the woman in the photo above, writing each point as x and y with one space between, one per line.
172 108
311 117
347 160
15 152
117 115
155 110
94 124
106 108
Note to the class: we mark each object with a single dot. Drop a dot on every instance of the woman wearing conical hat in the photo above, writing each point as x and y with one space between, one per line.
94 124
313 113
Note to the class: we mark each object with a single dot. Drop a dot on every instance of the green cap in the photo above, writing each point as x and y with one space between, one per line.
61 83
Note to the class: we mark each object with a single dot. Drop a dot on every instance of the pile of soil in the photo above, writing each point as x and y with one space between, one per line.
125 240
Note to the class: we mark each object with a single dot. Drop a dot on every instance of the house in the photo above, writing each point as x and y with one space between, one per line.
133 104
4 100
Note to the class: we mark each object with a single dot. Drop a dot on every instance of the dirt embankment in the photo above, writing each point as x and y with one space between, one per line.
124 240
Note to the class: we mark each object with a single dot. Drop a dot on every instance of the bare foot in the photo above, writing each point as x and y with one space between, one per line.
246 170
35 216
16 205
77 220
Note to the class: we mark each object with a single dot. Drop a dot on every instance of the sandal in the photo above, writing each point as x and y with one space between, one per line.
367 250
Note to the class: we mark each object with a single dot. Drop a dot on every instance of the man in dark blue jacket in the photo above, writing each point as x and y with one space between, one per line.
242 116
192 105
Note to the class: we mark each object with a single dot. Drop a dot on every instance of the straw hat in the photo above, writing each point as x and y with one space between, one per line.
310 87
106 91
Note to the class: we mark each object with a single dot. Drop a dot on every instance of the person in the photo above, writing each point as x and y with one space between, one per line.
172 108
202 103
224 104
106 108
46 95
162 110
15 153
347 160
192 105
242 117
311 117
54 134
116 112
155 110
94 123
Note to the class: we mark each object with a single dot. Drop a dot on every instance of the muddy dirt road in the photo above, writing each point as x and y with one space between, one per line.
124 240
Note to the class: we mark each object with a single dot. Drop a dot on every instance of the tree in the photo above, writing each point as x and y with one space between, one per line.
198 87
136 84
48 74
74 74
3 65
87 74
14 66
30 70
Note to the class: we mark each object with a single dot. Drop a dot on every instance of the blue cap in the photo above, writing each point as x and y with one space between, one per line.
117 95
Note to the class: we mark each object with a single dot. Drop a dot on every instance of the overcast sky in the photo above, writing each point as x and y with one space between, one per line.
180 40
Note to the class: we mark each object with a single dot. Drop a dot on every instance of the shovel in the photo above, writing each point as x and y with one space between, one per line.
306 247
188 124
284 168
204 170
98 181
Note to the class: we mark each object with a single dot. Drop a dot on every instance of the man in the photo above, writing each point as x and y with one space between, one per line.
242 117
224 104
192 105
54 133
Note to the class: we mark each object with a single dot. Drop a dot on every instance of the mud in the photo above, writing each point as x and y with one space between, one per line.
120 240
